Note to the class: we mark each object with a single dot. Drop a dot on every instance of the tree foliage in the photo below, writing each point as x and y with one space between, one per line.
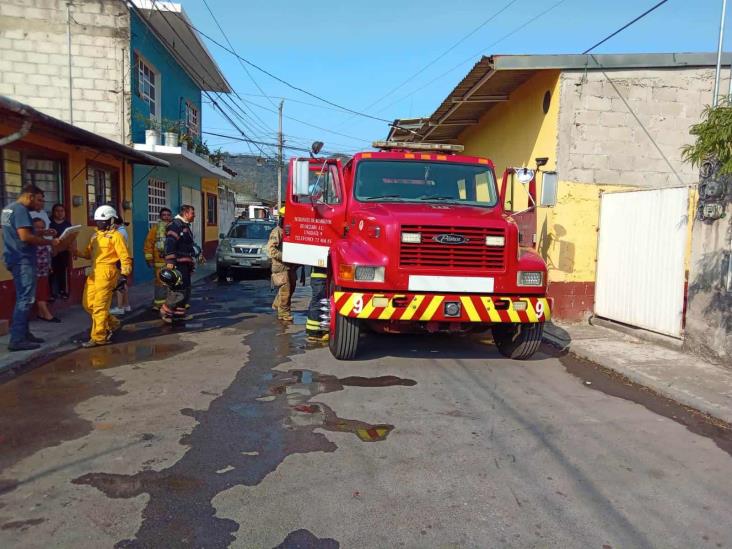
713 137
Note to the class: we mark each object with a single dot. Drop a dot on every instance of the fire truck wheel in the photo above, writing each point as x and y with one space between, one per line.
518 341
344 342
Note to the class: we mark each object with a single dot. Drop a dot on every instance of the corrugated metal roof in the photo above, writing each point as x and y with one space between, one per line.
493 79
14 111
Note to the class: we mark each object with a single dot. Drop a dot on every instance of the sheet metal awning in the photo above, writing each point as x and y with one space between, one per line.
493 79
171 22
14 113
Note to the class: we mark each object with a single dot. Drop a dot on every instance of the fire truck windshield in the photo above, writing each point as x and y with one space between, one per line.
415 181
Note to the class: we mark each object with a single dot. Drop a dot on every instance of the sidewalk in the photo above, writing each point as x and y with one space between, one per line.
684 378
75 324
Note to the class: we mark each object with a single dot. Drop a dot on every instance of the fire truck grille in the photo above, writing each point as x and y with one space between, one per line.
453 248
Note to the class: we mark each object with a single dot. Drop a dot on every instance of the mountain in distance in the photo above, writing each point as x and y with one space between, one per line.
256 176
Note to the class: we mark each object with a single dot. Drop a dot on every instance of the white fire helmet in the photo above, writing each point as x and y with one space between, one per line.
105 213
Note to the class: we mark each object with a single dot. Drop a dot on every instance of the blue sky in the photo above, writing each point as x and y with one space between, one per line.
354 53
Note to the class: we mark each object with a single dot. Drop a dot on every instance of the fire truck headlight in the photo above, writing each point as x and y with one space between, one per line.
495 240
530 278
369 274
412 238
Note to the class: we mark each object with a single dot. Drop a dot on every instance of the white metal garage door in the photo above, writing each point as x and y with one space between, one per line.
640 258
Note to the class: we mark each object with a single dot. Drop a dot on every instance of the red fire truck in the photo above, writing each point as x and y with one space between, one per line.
415 239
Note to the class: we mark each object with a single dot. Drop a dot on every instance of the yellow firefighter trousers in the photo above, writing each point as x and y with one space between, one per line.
98 299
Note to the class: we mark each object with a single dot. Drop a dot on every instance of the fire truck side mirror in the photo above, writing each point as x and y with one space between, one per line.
301 178
549 186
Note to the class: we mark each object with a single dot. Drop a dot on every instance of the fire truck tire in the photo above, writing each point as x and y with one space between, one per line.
518 341
344 342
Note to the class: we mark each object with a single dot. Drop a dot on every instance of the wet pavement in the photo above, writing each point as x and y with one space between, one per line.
235 432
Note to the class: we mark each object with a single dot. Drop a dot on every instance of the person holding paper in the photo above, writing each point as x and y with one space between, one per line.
19 254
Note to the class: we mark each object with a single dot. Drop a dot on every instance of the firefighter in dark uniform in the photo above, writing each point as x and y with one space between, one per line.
181 252
313 328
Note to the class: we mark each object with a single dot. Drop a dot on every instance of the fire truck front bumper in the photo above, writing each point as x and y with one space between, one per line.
411 307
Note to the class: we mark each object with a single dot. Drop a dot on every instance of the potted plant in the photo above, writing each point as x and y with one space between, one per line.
152 129
187 140
202 150
216 156
170 132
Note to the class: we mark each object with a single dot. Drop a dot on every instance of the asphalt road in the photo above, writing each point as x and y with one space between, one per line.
235 433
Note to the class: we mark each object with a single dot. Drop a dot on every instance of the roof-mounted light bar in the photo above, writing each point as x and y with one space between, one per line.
388 145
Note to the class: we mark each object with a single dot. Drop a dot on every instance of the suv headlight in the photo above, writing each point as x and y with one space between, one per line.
225 246
530 278
369 274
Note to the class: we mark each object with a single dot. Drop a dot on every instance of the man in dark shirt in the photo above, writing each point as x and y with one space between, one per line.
180 250
19 254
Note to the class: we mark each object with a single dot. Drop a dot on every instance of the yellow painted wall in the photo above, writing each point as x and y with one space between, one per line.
517 132
76 161
210 186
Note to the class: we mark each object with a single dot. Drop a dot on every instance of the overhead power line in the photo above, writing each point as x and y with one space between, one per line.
186 65
443 54
472 57
621 29
243 66
275 77
289 147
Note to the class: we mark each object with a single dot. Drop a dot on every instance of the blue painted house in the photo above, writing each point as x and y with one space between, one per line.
170 69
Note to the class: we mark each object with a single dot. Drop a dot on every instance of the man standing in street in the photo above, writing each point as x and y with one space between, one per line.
283 275
155 254
19 254
180 249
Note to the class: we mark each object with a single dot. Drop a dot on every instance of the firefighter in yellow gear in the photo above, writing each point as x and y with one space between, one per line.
154 250
283 300
106 247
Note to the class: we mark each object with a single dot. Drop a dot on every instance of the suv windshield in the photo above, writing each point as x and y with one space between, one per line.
406 181
252 231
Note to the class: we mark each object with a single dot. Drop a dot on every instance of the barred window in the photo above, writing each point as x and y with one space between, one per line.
212 213
157 197
102 188
46 175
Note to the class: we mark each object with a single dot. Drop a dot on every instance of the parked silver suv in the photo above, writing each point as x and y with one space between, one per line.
244 248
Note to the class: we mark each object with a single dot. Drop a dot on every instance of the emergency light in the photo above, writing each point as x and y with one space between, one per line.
387 145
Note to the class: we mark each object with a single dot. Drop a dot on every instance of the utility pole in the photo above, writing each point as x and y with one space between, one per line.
68 49
715 100
280 143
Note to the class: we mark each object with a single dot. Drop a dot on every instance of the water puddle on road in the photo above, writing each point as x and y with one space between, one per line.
39 406
263 417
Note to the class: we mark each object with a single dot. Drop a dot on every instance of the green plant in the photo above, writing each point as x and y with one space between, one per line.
187 140
202 149
170 125
217 155
713 137
147 121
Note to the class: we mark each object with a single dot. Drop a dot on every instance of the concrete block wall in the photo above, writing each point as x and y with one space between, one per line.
600 140
34 61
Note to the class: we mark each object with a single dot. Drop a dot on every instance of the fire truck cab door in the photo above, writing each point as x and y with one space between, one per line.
315 210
